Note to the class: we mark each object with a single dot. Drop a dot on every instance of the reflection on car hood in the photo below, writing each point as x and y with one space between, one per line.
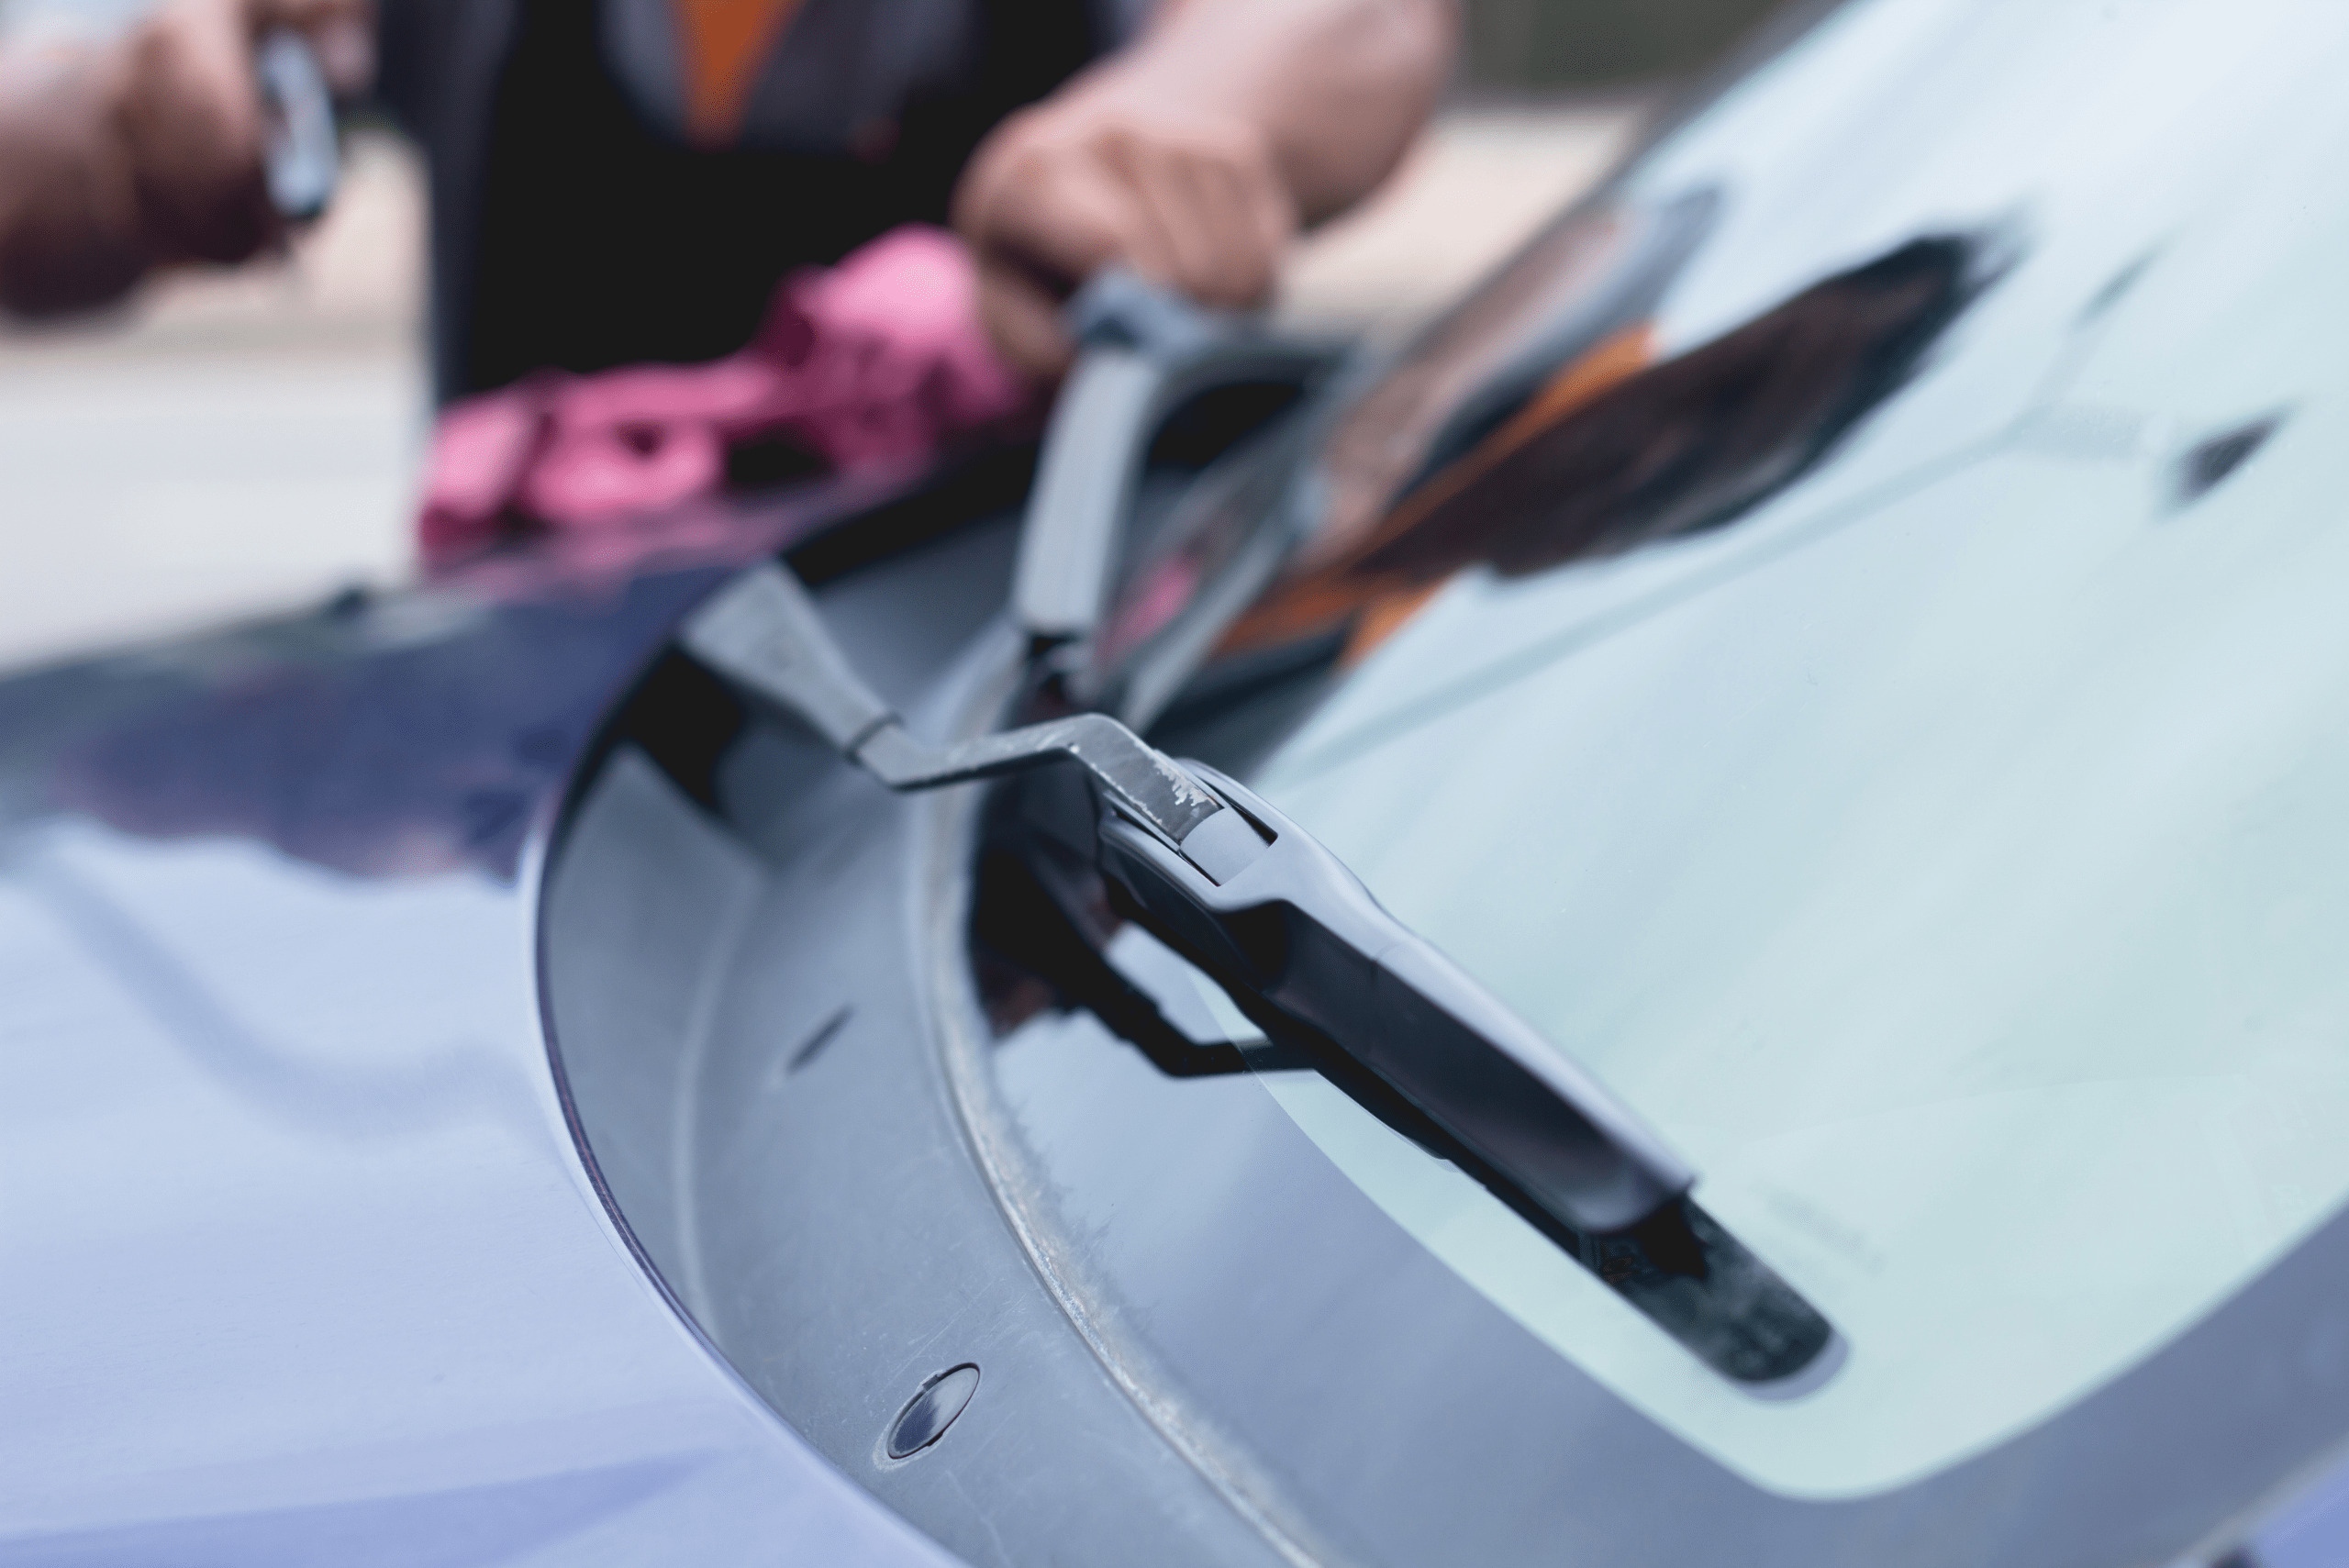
304 1264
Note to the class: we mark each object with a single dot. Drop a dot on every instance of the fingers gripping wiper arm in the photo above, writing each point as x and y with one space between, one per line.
1278 921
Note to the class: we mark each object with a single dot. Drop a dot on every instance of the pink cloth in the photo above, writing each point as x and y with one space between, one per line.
876 360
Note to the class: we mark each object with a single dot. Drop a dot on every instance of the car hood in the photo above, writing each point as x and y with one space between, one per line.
304 1264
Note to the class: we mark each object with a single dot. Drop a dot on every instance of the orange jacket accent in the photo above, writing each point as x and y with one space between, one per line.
722 43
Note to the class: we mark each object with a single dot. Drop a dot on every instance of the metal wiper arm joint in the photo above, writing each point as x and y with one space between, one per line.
765 636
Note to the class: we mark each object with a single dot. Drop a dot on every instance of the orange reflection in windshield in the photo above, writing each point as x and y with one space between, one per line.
1618 451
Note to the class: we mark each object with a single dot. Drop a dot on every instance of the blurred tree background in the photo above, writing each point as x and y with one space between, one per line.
1547 46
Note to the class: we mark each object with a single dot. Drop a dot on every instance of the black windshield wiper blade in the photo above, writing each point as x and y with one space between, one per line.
1273 917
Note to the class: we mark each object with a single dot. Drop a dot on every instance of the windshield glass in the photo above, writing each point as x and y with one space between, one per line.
1932 826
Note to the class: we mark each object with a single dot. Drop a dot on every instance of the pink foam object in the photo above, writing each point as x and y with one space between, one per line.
878 359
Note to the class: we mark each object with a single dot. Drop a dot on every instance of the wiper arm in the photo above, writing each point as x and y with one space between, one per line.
1273 917
765 636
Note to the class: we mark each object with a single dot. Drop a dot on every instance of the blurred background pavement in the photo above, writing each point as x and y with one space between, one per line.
231 443
241 442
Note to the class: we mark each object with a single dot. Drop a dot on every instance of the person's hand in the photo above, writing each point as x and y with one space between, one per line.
193 123
1193 200
147 151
